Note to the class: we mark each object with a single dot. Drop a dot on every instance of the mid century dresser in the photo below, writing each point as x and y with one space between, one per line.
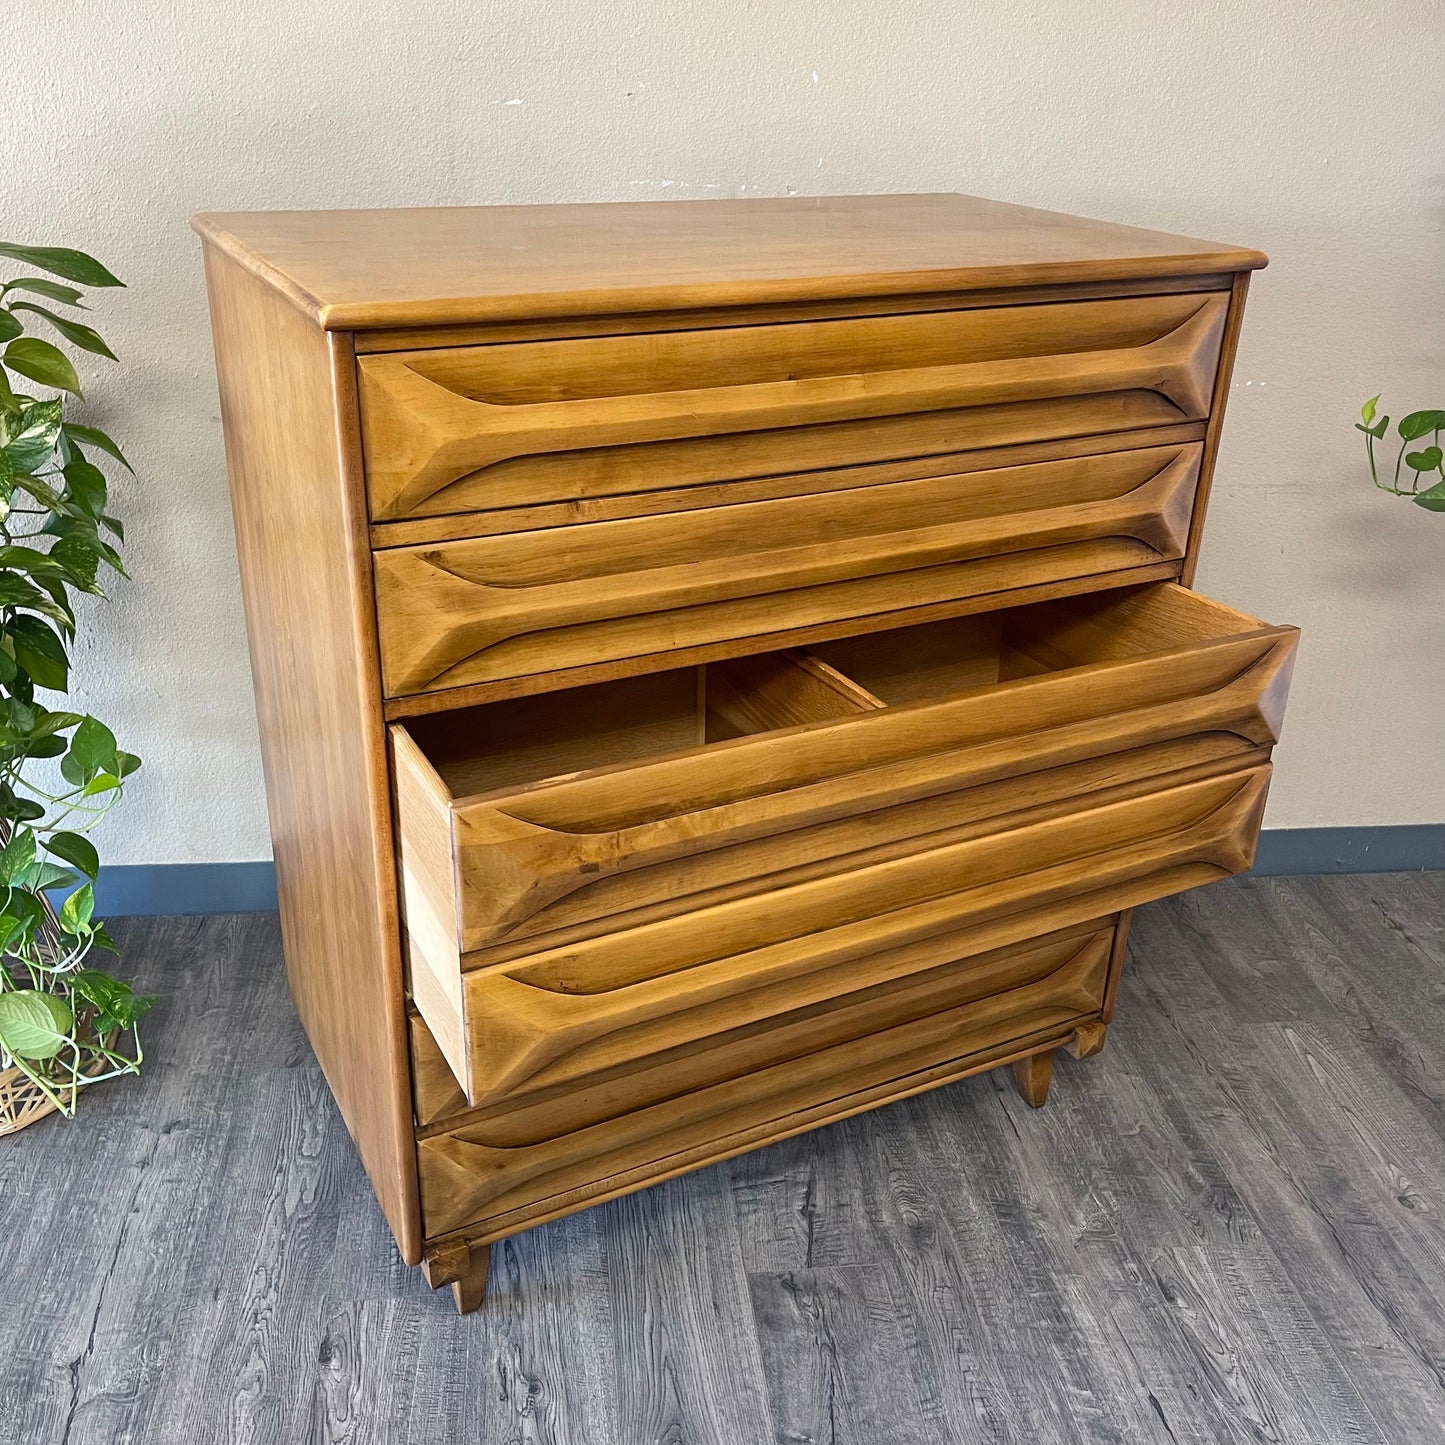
721 665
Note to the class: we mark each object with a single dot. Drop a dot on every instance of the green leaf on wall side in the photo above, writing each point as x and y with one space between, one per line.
1432 499
40 361
1420 423
93 437
85 337
62 261
51 290
76 911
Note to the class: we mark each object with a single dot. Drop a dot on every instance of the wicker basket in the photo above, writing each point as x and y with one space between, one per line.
22 1103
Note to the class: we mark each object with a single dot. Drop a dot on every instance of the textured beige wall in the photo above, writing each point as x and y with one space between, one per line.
1311 130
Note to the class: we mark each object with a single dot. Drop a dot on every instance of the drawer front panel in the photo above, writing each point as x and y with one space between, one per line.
953 968
487 609
564 1015
514 1161
584 850
529 423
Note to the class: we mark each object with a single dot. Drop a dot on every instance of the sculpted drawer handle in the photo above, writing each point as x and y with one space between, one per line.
424 436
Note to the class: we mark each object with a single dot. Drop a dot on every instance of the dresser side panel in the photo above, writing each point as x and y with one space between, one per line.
1223 377
289 416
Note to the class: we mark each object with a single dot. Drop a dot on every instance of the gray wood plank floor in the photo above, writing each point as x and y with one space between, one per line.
1229 1226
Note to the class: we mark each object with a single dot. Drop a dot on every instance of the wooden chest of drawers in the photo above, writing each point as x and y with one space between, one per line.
721 666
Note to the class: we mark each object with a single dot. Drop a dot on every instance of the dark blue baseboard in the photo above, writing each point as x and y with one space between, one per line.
1410 848
251 887
131 888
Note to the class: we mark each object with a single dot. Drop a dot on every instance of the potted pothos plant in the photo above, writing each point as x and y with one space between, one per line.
1425 485
64 1021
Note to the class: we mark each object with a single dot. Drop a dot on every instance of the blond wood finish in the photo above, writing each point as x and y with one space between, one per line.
1087 1039
564 1013
776 690
1135 668
561 328
1032 1075
752 1136
300 539
354 270
989 588
942 970
572 489
902 981
505 1161
497 607
464 1267
447 431
1116 963
1223 376
460 525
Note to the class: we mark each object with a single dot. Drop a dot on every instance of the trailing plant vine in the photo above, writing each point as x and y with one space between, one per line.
1424 461
64 1022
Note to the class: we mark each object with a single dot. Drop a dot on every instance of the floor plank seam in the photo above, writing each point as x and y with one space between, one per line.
76 1367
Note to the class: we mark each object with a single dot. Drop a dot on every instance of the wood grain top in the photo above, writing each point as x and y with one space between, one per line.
361 269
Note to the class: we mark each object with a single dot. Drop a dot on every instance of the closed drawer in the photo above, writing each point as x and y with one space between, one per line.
531 423
504 1167
600 876
489 609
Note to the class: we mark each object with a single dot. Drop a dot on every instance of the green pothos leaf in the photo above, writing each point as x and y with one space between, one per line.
1432 498
85 337
92 751
34 1026
93 437
76 910
32 435
76 849
17 856
80 561
51 290
87 486
62 261
31 357
116 1005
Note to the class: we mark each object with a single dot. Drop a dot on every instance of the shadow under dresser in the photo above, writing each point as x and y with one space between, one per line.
721 666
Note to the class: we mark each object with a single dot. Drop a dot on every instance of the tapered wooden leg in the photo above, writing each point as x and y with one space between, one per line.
1032 1076
464 1267
468 1290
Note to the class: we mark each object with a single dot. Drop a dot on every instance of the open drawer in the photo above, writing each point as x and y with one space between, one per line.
528 423
605 874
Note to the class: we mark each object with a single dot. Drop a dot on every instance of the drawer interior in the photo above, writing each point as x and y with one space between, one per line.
632 752
502 746
910 664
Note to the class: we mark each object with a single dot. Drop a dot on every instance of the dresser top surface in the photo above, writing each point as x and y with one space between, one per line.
362 269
